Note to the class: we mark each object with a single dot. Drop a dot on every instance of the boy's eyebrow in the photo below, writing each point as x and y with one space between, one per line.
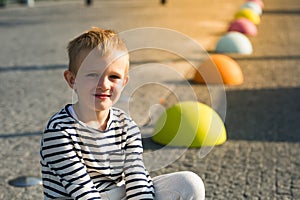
95 67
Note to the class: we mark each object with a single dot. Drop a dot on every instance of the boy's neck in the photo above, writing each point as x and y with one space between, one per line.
94 119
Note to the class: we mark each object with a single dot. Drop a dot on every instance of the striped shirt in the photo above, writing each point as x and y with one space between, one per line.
81 162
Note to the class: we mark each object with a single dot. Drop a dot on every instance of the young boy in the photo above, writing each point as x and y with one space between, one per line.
91 150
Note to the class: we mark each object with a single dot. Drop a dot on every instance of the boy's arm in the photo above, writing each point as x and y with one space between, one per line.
58 154
137 180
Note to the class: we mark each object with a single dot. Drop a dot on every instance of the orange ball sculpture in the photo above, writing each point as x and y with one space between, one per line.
219 69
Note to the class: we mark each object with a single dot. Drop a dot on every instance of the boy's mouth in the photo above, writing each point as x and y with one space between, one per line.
102 96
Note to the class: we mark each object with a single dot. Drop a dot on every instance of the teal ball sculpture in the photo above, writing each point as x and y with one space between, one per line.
234 42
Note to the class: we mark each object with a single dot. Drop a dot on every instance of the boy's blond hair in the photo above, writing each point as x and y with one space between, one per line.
106 41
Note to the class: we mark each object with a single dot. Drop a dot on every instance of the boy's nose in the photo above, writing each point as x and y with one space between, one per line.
103 83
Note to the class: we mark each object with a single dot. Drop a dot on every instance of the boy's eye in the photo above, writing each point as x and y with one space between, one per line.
114 77
93 75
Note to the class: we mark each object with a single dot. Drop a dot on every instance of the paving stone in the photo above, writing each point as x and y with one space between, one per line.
261 158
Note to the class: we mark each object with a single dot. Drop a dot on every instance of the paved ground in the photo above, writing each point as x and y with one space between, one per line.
261 158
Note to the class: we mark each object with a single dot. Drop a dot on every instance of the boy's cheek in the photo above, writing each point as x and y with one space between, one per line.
120 85
84 82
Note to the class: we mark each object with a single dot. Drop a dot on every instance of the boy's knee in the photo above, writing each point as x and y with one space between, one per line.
191 177
179 185
192 183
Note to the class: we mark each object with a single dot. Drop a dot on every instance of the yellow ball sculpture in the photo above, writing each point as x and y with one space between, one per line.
248 14
189 124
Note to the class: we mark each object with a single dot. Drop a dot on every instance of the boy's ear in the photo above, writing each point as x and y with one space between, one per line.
126 79
70 78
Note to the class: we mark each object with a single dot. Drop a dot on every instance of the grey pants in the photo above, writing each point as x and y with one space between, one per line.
175 186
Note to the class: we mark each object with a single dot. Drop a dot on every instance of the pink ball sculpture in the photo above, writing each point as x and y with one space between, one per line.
244 26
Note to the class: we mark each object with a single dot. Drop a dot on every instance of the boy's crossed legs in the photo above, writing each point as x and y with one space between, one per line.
183 185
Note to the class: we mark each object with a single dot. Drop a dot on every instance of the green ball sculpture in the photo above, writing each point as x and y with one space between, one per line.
189 124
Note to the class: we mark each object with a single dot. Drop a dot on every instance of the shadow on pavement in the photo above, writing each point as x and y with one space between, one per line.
264 115
264 58
18 135
32 68
282 12
267 115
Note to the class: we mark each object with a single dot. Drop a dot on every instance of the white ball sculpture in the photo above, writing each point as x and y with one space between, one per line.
253 6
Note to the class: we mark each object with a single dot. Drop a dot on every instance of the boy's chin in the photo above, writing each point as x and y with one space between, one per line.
103 107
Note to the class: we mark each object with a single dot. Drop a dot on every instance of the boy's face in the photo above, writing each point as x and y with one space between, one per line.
100 80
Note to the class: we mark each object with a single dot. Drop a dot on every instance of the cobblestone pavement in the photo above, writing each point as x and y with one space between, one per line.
261 158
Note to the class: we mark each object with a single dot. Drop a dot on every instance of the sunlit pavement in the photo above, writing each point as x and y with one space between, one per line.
261 157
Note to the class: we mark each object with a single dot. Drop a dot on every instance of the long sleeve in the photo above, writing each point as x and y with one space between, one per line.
81 163
64 165
139 184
